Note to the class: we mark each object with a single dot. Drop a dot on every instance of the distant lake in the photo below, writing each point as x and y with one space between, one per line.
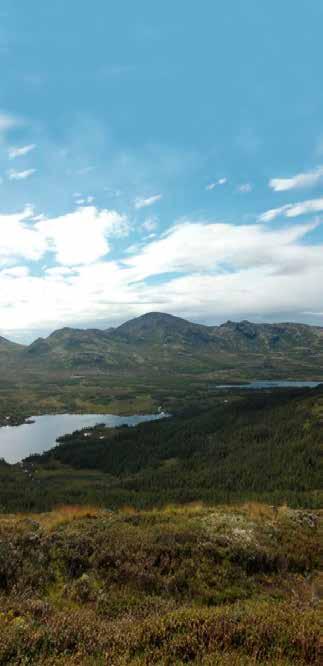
264 383
18 442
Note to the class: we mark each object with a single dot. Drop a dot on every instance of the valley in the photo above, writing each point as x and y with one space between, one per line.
156 359
190 539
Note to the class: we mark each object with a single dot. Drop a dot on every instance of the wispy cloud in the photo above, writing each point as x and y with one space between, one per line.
217 183
293 210
20 175
85 170
7 121
14 152
149 201
244 188
301 180
150 224
81 201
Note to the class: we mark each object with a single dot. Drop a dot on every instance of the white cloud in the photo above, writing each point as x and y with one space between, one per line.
293 210
20 175
14 152
19 239
271 214
144 203
16 272
189 247
81 237
245 188
301 180
217 269
217 183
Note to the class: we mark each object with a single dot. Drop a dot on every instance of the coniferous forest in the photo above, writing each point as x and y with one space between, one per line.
263 446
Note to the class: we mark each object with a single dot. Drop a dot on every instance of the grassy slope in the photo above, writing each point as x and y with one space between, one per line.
216 585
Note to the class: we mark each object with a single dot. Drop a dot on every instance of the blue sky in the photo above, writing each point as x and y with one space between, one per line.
160 156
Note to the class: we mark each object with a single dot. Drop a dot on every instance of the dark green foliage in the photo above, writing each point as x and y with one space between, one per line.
265 446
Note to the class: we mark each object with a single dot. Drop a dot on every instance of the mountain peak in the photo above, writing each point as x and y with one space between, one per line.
150 320
161 327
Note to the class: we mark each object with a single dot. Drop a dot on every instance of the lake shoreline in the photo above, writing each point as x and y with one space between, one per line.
18 443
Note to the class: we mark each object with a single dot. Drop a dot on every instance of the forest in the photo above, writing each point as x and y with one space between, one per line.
264 446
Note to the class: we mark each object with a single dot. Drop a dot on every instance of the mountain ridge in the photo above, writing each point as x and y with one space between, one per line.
161 316
159 342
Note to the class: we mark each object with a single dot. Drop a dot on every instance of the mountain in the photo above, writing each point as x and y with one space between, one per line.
74 347
9 353
161 328
162 343
247 336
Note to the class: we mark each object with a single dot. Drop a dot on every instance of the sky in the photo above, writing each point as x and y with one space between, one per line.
160 156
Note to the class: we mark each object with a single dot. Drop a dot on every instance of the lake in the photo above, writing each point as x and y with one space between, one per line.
268 383
18 442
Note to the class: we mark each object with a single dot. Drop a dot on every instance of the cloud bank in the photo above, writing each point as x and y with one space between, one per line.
62 271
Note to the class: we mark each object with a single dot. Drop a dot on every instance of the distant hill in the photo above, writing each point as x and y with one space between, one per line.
160 328
158 342
9 351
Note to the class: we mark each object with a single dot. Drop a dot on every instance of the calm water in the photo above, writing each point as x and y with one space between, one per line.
263 384
18 442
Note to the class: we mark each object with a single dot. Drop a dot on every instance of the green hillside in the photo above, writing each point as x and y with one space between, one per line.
263 447
157 343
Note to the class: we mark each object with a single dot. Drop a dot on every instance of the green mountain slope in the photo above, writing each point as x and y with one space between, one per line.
160 343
